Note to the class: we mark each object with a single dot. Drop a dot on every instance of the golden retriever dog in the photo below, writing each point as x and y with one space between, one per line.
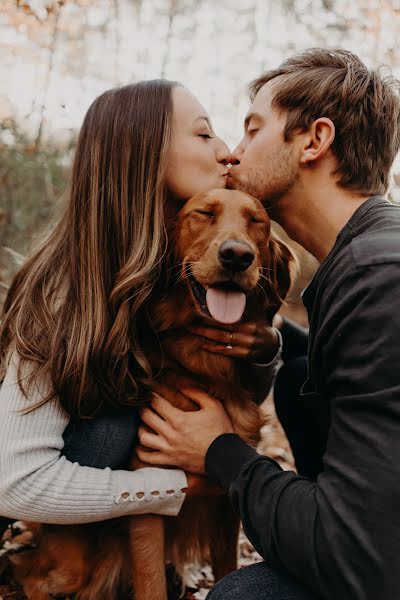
224 265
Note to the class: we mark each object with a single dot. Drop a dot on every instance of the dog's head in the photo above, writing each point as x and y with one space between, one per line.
229 260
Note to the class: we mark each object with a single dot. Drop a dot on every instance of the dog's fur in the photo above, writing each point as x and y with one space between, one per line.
93 560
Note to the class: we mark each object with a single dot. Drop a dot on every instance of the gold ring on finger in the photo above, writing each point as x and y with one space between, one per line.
229 345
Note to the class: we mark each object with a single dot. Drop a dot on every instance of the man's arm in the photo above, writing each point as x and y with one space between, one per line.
340 535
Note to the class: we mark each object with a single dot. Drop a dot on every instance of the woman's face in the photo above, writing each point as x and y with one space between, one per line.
198 159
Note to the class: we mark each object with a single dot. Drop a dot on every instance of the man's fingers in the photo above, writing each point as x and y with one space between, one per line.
168 393
164 408
151 440
153 458
164 391
154 421
199 396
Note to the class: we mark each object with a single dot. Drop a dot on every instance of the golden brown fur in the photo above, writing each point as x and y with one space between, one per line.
88 560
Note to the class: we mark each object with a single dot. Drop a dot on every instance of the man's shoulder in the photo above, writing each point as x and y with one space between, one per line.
381 246
377 240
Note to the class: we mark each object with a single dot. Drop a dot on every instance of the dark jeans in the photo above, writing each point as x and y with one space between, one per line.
106 441
259 582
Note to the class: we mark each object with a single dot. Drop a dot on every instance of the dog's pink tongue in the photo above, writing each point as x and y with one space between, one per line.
225 306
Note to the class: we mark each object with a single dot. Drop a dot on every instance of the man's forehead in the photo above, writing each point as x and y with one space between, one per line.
262 101
264 97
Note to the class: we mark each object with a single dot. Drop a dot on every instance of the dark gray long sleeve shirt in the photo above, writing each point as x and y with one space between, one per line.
339 535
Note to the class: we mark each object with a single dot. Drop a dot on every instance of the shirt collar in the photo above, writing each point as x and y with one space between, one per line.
343 235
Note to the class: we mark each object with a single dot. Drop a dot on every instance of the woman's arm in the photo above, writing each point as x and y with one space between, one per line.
38 484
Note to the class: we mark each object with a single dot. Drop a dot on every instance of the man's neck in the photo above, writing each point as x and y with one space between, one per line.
314 219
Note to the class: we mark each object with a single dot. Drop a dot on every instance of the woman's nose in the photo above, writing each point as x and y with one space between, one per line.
223 154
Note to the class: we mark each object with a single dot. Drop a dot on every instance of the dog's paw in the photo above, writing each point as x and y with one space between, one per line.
19 537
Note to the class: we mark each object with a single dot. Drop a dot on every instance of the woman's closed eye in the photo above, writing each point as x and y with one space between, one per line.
206 135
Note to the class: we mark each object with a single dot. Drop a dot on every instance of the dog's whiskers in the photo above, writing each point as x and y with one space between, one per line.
175 266
271 283
264 291
268 279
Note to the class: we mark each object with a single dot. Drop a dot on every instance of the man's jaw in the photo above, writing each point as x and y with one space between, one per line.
271 204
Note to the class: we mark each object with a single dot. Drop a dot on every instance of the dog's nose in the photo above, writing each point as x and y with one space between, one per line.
235 255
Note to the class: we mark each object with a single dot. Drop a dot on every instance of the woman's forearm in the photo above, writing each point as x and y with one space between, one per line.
38 484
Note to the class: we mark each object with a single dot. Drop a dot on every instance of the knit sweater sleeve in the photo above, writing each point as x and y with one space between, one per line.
38 484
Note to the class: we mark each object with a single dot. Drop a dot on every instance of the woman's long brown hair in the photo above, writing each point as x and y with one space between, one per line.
74 308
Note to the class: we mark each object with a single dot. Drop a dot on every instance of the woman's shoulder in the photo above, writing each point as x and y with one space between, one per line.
20 393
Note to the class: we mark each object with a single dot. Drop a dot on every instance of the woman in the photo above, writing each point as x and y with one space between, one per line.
74 319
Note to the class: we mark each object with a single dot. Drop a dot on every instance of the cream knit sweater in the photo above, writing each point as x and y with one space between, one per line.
38 484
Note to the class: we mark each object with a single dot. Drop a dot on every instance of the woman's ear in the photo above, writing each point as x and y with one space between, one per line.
283 269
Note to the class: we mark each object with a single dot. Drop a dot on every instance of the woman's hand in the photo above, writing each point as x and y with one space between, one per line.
180 438
253 341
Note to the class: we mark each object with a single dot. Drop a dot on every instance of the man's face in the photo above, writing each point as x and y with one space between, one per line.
264 165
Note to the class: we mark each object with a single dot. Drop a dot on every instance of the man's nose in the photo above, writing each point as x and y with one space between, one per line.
236 155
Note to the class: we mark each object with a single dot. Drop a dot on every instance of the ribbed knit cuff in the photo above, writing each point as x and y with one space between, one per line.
225 458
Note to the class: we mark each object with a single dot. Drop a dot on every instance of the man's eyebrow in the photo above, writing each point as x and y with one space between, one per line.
251 115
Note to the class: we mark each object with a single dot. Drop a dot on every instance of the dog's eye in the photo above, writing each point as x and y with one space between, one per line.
255 220
207 213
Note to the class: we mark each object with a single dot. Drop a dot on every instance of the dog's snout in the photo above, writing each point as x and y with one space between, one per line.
235 255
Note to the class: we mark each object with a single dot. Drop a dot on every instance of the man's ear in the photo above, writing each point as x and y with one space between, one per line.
283 266
318 140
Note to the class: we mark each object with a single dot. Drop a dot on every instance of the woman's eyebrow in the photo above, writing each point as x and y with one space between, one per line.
204 118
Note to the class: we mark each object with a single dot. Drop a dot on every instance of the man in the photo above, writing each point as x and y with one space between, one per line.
320 139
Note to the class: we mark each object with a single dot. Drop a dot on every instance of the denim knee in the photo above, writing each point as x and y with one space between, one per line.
105 441
259 582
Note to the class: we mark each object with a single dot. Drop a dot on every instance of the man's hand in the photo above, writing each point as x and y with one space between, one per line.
255 341
181 438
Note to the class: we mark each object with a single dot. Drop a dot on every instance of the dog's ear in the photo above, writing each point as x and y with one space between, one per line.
283 265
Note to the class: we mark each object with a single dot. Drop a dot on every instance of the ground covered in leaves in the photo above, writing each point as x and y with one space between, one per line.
273 443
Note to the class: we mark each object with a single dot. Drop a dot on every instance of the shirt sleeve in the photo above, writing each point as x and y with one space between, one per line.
38 484
339 535
262 374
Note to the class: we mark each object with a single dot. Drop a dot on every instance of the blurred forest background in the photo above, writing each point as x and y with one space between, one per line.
56 56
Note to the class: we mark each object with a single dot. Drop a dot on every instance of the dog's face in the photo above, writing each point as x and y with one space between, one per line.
223 242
